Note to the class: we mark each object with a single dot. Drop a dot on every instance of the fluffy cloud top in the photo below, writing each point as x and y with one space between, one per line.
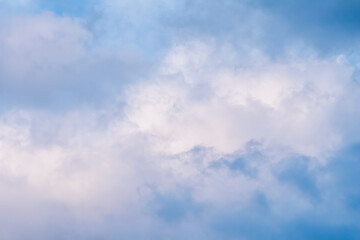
150 120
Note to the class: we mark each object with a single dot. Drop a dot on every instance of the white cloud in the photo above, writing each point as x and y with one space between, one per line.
36 47
113 161
220 133
198 100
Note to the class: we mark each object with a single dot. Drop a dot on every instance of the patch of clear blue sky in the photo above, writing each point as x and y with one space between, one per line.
77 8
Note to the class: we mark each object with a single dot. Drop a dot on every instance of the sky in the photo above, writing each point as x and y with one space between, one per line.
180 119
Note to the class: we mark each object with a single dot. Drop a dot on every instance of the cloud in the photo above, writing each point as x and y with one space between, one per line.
211 146
239 101
49 62
305 28
119 42
42 43
178 120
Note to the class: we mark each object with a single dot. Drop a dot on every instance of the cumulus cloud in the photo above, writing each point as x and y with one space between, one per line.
176 120
34 46
51 62
209 147
200 89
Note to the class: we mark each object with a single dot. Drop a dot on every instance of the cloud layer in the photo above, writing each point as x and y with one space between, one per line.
178 120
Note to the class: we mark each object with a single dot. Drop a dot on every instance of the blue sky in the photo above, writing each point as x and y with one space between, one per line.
189 119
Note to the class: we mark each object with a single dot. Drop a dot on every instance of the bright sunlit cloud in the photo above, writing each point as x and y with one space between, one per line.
179 120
